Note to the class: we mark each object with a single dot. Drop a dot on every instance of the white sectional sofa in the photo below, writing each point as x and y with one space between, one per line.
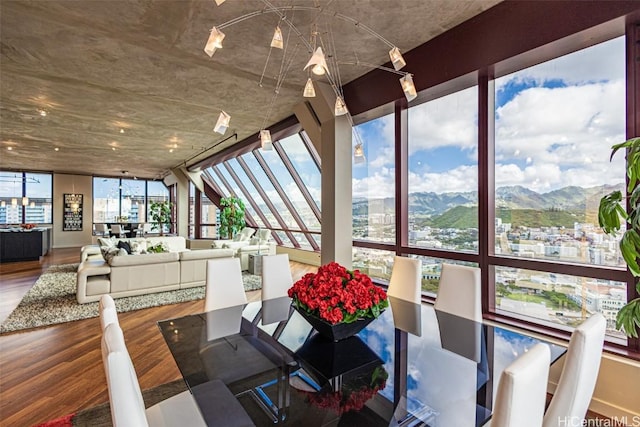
137 274
246 243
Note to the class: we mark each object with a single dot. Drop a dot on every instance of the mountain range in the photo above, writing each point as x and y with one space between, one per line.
455 209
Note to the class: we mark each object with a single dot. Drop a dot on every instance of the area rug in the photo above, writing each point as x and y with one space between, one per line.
52 300
100 415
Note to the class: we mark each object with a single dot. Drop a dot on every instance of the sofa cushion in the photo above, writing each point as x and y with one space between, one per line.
122 261
138 246
206 254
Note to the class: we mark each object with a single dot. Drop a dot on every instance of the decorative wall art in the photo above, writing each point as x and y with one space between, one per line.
72 212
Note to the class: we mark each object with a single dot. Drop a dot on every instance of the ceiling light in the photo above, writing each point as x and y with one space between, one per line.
121 130
25 201
43 113
277 40
32 204
340 108
9 148
223 123
14 202
358 154
219 2
408 88
171 150
318 62
265 140
214 42
3 204
57 149
309 90
113 148
396 58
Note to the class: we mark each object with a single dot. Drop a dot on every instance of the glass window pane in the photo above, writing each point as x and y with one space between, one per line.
11 195
303 163
224 191
106 199
157 191
291 189
285 240
431 268
373 262
39 191
555 125
235 165
373 185
559 299
443 172
236 189
302 240
271 193
133 200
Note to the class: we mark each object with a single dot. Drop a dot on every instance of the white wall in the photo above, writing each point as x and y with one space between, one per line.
78 184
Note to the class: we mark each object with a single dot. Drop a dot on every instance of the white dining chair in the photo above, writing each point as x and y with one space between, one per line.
102 230
127 404
276 276
224 286
406 279
107 310
579 374
118 230
459 291
522 390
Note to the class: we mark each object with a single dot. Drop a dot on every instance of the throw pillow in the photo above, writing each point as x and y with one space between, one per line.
108 253
124 245
139 246
109 242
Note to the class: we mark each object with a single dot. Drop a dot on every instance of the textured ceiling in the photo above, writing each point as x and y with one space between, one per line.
126 85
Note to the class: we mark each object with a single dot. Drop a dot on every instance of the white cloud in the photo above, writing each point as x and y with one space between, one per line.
462 178
380 184
447 121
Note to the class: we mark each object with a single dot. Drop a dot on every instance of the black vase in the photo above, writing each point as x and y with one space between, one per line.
336 332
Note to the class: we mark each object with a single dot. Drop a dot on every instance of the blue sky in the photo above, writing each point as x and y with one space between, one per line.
555 125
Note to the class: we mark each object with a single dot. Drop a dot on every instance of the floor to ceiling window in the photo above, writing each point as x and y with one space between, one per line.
125 200
555 124
443 172
25 197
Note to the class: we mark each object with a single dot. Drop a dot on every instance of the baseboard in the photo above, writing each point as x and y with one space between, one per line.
298 255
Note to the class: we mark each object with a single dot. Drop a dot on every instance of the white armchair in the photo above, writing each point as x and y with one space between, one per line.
239 240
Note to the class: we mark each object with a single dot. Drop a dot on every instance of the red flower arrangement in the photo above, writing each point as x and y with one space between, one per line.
337 295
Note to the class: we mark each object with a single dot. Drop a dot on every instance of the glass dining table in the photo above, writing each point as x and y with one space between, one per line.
412 366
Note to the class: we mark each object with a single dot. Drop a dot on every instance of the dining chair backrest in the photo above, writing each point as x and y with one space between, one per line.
579 374
459 291
224 286
117 230
276 276
522 390
107 310
125 397
406 279
101 229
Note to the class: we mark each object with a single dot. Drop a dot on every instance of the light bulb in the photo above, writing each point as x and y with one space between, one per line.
309 90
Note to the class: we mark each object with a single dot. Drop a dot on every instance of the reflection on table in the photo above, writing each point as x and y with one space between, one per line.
411 366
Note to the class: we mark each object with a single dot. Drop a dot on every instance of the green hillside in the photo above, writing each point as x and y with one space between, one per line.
462 217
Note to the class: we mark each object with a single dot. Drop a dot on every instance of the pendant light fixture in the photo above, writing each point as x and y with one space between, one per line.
214 42
265 140
25 201
309 90
318 62
277 41
3 204
396 59
408 88
223 123
14 202
358 154
340 107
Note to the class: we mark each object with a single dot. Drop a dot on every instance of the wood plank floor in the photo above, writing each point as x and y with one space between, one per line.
50 372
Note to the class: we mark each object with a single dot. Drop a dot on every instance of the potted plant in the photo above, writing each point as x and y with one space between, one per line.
231 216
160 215
610 213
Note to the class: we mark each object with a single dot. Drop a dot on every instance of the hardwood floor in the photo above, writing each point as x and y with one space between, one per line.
50 372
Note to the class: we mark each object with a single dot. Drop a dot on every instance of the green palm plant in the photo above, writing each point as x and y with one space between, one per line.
231 216
611 215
